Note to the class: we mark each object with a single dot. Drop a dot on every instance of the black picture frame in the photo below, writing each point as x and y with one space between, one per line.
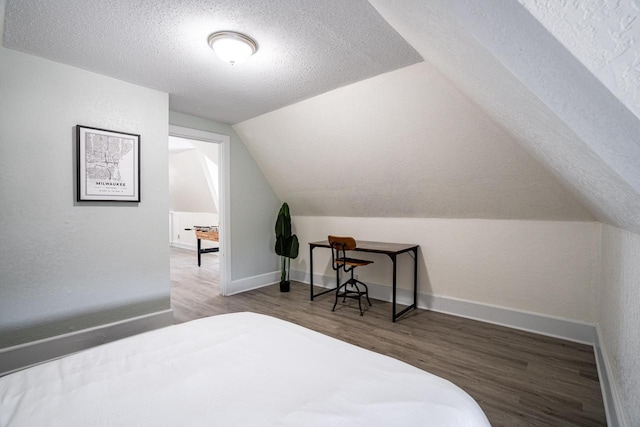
108 165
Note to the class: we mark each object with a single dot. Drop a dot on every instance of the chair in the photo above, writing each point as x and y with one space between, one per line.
340 261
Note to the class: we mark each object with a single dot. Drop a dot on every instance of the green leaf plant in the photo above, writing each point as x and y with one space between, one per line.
287 245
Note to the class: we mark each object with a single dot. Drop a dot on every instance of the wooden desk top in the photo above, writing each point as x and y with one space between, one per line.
208 235
374 247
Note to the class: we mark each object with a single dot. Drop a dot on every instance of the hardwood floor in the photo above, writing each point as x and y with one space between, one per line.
193 287
518 378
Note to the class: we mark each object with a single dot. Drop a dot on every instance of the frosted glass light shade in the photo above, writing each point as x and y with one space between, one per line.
232 47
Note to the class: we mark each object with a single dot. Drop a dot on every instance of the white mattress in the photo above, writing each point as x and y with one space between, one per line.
241 369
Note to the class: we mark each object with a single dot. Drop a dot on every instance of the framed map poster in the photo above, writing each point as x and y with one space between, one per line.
108 165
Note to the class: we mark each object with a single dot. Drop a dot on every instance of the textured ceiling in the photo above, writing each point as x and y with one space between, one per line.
307 47
604 35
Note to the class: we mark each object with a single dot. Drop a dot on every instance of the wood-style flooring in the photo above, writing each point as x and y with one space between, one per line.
518 378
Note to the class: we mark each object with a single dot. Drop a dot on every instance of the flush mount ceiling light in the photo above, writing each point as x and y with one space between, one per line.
232 47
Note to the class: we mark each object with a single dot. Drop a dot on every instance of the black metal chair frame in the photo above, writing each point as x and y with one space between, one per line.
347 293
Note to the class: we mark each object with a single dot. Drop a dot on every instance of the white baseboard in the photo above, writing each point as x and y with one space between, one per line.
253 282
610 395
518 319
552 326
181 245
33 353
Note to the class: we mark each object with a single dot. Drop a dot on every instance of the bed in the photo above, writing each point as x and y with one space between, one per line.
241 369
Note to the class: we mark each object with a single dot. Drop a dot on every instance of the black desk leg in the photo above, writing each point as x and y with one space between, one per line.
415 286
415 278
311 294
393 260
311 270
198 252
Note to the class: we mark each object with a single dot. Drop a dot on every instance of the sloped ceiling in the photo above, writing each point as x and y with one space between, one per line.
528 82
404 144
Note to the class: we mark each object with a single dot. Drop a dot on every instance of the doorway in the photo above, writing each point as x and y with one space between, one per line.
199 196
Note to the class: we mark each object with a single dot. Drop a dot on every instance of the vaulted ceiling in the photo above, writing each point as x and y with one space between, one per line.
521 110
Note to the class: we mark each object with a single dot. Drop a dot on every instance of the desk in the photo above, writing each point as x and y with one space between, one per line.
205 233
390 249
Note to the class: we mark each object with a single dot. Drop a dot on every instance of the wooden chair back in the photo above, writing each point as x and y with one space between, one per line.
342 243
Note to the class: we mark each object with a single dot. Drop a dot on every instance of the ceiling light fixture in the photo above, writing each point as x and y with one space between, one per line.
232 47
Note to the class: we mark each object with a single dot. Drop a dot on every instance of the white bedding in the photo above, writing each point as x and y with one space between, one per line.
241 369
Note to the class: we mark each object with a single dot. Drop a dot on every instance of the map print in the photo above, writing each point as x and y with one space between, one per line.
103 156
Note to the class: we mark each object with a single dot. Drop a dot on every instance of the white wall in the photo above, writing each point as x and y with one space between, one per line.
188 187
2 7
66 265
407 143
619 316
254 205
545 267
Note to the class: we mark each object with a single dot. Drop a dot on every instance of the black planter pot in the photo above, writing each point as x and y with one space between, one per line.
285 286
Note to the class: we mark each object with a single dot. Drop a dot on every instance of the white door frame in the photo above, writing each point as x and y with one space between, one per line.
224 197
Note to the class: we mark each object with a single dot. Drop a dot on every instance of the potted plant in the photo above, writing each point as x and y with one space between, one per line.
286 245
